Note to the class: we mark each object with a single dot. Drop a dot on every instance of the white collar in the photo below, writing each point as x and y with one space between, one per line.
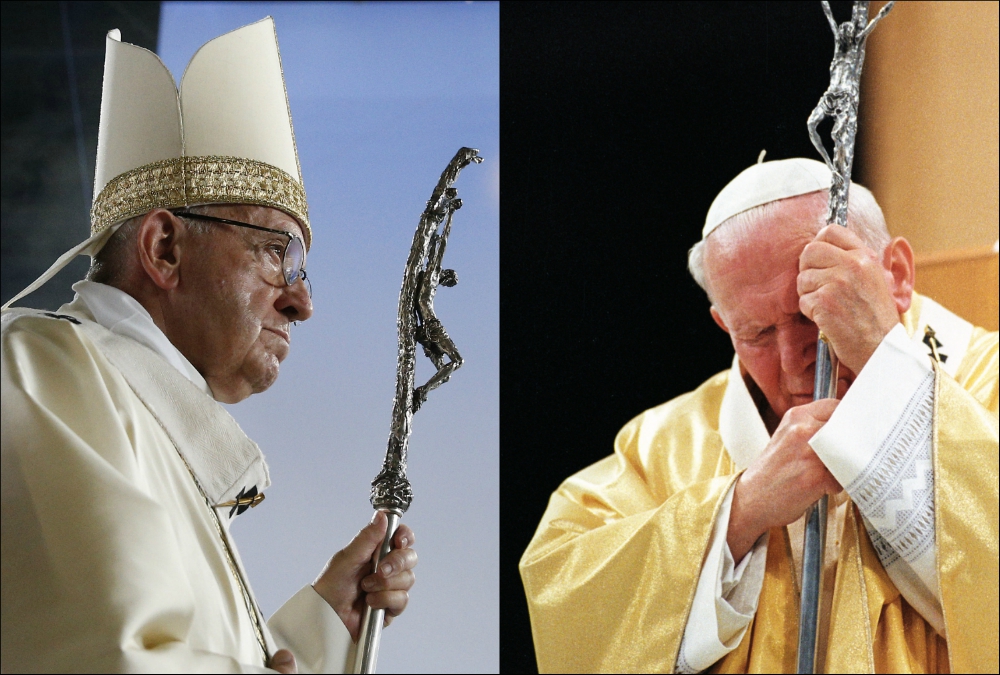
743 432
122 314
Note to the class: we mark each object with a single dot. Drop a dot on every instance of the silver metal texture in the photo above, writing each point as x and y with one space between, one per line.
840 101
370 633
416 322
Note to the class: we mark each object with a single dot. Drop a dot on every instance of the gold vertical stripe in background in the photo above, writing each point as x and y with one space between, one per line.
929 142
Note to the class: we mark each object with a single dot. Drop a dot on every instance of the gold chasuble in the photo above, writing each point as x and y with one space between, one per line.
611 572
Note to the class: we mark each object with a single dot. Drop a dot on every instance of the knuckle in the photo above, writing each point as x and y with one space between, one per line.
796 416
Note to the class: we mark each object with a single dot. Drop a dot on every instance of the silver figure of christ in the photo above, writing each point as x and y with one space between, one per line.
840 101
416 323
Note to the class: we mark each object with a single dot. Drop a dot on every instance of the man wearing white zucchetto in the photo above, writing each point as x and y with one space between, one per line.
121 470
682 552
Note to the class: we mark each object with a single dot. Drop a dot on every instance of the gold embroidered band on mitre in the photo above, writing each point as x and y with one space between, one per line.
187 181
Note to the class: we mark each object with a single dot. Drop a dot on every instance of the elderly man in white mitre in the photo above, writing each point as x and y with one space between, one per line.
121 471
683 550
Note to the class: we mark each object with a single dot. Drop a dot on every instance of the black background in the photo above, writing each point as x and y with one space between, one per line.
52 60
620 123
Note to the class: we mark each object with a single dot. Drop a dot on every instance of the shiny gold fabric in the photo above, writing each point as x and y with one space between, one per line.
611 572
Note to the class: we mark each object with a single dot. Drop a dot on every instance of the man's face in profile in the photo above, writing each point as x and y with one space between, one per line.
233 314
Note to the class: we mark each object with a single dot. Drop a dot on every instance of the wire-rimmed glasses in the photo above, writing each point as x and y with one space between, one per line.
293 259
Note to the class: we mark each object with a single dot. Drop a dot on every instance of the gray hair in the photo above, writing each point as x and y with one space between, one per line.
110 264
864 218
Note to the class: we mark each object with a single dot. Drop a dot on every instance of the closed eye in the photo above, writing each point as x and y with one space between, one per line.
759 336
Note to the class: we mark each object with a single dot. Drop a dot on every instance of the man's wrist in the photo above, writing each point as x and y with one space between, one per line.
873 344
744 529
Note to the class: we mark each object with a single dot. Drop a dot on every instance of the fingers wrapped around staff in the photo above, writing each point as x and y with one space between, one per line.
404 537
834 248
388 588
845 289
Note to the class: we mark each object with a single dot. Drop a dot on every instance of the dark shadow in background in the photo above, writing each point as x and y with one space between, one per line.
620 124
52 75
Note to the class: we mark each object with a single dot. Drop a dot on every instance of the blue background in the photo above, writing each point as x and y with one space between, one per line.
382 96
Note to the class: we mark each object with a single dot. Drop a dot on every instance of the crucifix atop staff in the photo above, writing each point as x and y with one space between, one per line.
416 323
840 101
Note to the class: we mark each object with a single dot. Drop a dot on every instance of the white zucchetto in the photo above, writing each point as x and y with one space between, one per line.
766 182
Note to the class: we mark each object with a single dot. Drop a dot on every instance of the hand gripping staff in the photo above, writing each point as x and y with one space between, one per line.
840 101
416 322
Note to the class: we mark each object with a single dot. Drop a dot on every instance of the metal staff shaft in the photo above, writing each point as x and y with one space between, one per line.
416 323
840 101
371 623
814 547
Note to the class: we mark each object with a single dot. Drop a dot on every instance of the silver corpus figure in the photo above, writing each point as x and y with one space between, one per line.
416 322
840 102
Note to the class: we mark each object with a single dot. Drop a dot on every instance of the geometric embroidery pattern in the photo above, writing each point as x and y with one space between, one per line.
186 181
895 491
682 663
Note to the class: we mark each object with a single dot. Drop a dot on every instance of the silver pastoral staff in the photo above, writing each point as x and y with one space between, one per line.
841 103
416 322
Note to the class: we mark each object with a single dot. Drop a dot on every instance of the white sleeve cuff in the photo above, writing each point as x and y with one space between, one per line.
314 633
873 405
878 445
725 599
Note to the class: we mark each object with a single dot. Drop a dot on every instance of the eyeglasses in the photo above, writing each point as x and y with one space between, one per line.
293 259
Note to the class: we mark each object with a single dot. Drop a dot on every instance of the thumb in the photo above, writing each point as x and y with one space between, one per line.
362 547
823 409
283 661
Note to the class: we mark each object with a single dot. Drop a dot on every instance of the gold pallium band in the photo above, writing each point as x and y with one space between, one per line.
187 181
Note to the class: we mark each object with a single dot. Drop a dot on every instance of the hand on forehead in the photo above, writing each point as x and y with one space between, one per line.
756 254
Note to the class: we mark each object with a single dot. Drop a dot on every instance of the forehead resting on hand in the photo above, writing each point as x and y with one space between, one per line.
754 254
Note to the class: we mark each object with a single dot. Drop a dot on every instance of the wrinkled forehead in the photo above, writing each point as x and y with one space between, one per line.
760 254
781 223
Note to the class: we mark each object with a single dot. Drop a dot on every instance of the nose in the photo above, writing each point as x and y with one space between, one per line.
797 346
294 302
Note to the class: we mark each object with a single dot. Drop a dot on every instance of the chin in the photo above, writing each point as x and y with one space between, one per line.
266 379
263 374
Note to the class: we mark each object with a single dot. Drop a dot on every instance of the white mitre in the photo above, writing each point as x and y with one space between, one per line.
224 138
766 182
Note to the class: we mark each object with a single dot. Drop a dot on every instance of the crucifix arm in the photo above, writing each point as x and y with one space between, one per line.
829 17
878 17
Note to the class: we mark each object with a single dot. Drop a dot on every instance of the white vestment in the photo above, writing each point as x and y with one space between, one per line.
115 555
882 428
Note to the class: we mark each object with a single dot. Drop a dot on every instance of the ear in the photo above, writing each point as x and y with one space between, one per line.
718 318
900 272
159 242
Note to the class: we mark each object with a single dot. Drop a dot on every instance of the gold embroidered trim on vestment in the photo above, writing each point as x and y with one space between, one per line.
187 181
